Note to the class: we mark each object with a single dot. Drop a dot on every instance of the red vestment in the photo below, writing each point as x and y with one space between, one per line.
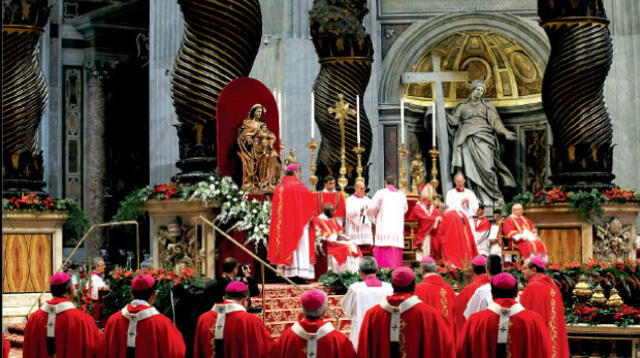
463 299
513 226
76 334
244 336
482 224
6 347
456 238
435 292
336 198
421 332
543 297
425 217
156 336
527 337
290 212
331 228
333 345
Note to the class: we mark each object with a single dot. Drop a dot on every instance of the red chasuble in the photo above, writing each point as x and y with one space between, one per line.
456 238
425 217
336 198
543 297
6 347
435 292
76 334
244 336
331 345
290 212
463 299
156 336
330 227
421 332
482 224
527 336
517 225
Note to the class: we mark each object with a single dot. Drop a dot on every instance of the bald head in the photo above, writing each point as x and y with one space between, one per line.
517 209
360 187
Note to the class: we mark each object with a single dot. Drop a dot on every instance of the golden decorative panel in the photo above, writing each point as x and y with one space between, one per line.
29 256
564 244
512 76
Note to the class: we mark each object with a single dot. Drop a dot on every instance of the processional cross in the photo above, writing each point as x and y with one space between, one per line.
437 77
341 112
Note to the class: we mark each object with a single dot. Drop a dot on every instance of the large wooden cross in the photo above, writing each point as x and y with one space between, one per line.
437 77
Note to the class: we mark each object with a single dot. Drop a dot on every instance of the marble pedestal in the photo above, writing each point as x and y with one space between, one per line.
164 212
32 248
568 238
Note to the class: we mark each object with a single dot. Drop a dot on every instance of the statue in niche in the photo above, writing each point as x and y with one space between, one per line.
178 245
261 164
418 173
475 126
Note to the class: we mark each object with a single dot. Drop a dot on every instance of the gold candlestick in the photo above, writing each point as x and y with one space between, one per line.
434 173
359 150
402 181
342 112
313 179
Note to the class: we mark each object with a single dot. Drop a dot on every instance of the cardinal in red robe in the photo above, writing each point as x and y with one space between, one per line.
311 336
229 331
404 326
335 243
58 329
480 278
456 238
426 214
520 229
139 330
435 292
543 297
328 195
291 244
506 328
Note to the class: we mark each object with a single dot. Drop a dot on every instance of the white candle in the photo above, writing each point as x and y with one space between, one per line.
358 117
279 115
313 114
433 125
402 120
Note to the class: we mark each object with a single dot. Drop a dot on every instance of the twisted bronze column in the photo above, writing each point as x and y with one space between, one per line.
24 95
346 54
221 41
572 92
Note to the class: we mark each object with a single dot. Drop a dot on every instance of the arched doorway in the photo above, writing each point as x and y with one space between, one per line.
506 51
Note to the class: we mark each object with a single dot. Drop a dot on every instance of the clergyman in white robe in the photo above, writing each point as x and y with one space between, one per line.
388 207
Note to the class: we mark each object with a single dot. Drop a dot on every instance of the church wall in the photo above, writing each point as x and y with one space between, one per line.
622 89
165 36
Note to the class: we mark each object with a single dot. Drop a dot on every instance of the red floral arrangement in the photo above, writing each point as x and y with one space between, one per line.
621 195
164 191
555 195
31 201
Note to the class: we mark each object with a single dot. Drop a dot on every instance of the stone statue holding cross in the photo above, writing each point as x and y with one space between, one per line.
475 126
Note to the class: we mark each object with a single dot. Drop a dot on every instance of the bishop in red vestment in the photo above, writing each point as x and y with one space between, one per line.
6 347
404 326
480 278
291 245
505 329
139 330
456 238
344 252
435 292
58 329
426 214
543 297
525 236
328 195
312 337
229 331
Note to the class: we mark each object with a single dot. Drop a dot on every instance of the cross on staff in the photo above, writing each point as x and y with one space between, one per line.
437 77
341 112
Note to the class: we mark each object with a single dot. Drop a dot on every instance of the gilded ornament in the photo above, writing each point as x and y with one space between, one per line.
598 298
614 299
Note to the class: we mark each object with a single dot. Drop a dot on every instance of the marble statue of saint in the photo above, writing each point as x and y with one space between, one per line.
256 149
476 126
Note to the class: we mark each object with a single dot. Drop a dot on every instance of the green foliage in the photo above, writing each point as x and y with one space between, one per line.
77 223
588 204
129 207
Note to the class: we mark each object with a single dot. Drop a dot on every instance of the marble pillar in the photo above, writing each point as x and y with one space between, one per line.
96 168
